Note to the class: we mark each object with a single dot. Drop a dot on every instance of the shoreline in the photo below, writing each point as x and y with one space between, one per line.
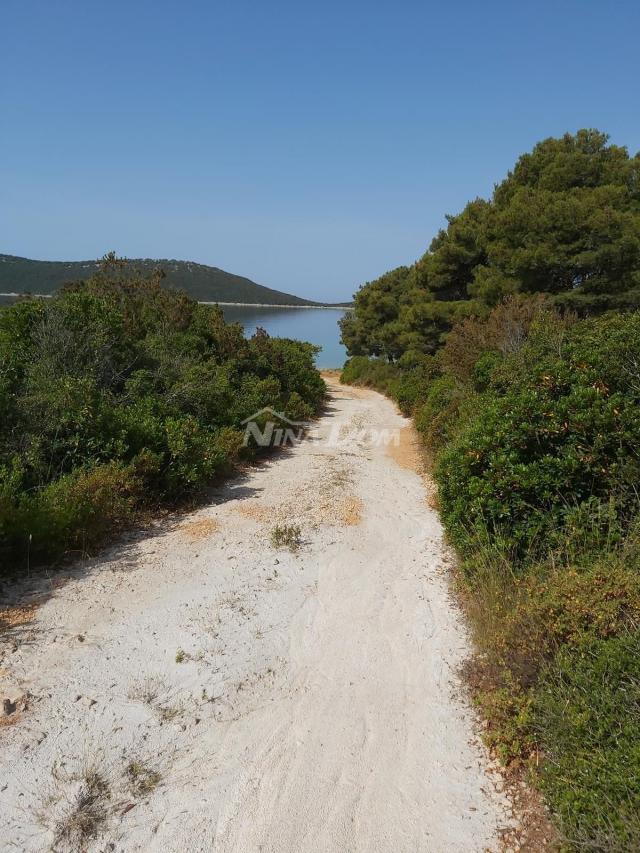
274 305
214 302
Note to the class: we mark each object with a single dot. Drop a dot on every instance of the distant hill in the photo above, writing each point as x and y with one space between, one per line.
206 284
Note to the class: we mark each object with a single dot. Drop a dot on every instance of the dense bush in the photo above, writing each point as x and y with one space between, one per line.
587 712
118 394
373 373
531 420
556 436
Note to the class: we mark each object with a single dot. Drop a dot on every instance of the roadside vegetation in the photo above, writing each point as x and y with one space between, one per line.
118 396
515 346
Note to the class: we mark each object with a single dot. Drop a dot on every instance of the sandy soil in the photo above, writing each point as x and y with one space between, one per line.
196 689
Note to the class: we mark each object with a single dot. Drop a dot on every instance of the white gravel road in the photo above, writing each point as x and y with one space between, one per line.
196 689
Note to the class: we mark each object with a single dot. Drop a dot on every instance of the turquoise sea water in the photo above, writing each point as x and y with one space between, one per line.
317 325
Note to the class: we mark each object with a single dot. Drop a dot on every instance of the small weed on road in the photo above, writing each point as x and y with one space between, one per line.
286 536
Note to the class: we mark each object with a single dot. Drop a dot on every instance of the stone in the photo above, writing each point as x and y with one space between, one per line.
8 707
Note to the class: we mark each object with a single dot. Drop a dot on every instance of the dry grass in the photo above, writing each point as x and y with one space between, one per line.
406 452
167 712
231 600
10 720
487 599
320 497
13 617
316 504
488 596
154 693
320 500
357 424
257 512
200 529
78 807
350 511
432 498
147 691
339 477
141 778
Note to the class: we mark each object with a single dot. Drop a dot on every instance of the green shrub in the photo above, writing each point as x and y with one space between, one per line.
504 332
412 386
73 513
558 434
525 619
436 418
587 714
194 457
372 373
406 384
297 409
117 394
507 708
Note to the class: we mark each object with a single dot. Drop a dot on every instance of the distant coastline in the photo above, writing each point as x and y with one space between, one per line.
272 305
38 295
202 282
213 302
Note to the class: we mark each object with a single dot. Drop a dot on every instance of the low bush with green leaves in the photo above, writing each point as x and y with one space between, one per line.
557 435
587 715
118 395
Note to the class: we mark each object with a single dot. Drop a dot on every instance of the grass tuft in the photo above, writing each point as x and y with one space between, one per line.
141 778
286 536
78 808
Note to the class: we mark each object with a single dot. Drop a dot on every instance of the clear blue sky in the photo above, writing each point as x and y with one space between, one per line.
310 146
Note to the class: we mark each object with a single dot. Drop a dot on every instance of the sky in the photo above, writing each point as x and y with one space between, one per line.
308 146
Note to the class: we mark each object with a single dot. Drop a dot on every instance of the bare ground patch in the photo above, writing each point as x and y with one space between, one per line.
14 617
321 509
11 719
351 511
256 511
324 499
200 529
406 452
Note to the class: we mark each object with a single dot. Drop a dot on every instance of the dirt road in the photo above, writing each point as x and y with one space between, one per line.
198 689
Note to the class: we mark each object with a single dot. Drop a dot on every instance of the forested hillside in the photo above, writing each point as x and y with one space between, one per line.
118 395
515 345
201 282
